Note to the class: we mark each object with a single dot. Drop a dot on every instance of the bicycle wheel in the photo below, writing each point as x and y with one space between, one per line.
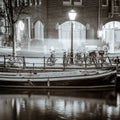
65 62
50 62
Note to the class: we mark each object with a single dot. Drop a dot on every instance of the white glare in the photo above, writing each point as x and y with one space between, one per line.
72 15
21 25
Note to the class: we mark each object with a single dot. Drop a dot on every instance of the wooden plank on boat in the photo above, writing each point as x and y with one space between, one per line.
85 88
55 78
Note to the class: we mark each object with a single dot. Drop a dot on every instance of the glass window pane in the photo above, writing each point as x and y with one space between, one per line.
104 2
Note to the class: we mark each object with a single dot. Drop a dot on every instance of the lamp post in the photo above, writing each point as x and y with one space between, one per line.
72 15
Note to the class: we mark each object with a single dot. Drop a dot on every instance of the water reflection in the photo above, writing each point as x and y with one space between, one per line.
60 105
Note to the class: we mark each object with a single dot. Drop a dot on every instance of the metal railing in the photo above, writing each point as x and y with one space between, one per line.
8 61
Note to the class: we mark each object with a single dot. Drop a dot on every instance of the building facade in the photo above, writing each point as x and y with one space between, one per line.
47 25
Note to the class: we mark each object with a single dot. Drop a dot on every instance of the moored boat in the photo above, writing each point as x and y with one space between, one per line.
90 79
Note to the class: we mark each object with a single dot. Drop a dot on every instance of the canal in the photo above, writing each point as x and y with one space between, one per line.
59 105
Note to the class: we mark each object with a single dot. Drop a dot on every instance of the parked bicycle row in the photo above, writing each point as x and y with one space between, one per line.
91 58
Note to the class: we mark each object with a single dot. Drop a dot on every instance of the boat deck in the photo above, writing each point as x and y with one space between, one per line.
54 76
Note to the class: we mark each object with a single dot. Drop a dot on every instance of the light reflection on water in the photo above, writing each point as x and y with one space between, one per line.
60 105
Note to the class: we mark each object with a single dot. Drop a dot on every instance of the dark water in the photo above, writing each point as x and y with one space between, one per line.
59 105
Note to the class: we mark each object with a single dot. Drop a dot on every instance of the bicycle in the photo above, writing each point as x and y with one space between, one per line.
51 60
79 59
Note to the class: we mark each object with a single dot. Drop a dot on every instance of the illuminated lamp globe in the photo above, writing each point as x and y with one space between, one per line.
72 15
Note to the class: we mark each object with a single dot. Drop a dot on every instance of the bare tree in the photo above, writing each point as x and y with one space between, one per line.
13 10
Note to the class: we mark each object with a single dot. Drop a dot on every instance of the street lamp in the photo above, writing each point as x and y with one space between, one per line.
72 15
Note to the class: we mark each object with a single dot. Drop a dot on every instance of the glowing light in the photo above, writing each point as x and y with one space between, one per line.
99 33
21 25
52 48
72 15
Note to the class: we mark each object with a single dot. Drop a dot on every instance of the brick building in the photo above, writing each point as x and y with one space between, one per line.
47 25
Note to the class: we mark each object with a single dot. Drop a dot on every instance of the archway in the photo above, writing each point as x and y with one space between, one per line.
79 34
20 33
38 40
111 36
39 31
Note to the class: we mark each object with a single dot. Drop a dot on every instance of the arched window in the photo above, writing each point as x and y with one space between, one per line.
79 34
20 30
39 28
111 35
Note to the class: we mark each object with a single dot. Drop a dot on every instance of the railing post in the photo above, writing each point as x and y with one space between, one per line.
102 60
4 61
64 66
85 61
24 63
33 67
117 62
44 62
48 82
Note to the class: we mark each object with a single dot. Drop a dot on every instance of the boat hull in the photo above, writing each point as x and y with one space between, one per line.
107 79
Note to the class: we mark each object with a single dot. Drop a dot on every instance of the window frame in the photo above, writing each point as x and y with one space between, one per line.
78 3
115 3
116 7
68 3
105 5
